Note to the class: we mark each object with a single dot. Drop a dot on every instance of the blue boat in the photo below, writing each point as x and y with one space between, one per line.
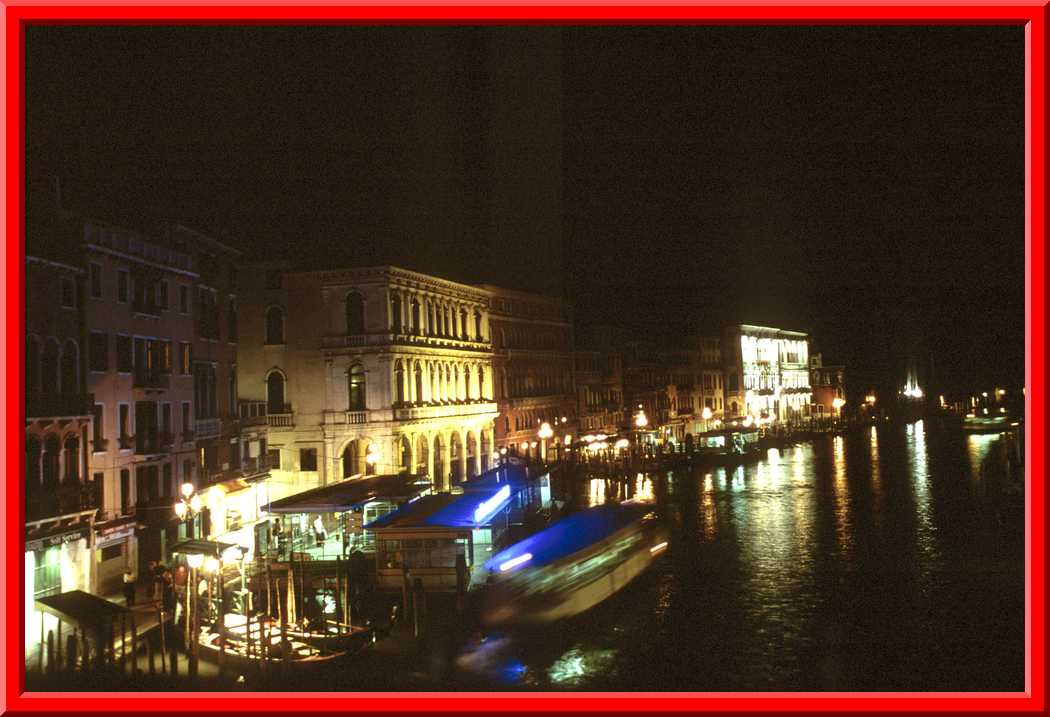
573 565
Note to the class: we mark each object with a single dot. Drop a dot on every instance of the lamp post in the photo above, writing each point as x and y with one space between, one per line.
706 415
544 433
189 506
837 403
195 561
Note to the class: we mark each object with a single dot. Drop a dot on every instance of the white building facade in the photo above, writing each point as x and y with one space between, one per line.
771 367
368 371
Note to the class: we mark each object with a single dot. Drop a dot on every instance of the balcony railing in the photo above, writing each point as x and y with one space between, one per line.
64 500
249 468
338 418
208 427
281 420
58 405
399 337
410 413
152 379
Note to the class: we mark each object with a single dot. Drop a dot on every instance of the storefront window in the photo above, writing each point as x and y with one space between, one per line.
47 577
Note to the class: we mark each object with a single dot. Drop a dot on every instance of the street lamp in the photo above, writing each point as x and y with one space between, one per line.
544 433
189 507
195 561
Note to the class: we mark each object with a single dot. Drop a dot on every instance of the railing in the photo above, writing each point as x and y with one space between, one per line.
208 427
151 379
58 405
399 337
280 420
409 413
63 500
345 417
147 443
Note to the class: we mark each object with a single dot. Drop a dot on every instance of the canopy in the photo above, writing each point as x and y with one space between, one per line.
517 476
201 547
470 510
85 611
348 494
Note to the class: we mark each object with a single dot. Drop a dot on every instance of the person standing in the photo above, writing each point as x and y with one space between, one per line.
129 587
319 532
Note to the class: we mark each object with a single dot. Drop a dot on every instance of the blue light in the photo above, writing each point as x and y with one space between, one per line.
490 506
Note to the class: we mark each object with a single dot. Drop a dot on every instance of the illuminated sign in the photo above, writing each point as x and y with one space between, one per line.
515 562
490 506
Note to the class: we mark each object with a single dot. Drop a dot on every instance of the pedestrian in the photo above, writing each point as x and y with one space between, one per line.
319 532
129 587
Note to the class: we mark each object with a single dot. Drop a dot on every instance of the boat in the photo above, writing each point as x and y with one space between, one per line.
573 565
306 649
728 446
973 423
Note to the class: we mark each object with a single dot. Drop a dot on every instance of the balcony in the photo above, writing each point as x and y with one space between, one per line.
65 499
208 428
64 405
281 420
148 443
338 341
155 380
339 418
251 468
252 413
416 413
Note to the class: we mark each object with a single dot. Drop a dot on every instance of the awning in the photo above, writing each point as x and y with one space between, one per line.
348 494
85 611
201 547
231 486
467 511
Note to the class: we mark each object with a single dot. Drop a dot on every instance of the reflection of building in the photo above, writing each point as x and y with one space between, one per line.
60 500
366 371
767 372
599 381
533 367
829 390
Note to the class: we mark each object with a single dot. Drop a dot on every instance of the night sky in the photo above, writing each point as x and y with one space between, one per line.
863 184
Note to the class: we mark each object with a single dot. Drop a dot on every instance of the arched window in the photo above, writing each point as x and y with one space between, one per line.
51 449
275 325
33 369
481 382
71 459
399 382
477 325
352 459
275 393
419 383
455 383
463 323
70 375
355 314
466 383
49 369
32 464
395 313
416 328
356 384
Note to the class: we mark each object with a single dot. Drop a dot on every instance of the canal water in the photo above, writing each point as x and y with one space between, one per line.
887 559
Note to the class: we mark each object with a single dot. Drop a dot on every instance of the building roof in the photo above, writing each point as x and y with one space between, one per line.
471 510
516 475
571 534
348 494
88 612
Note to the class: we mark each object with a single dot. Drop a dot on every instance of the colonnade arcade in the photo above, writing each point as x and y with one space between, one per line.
421 314
431 381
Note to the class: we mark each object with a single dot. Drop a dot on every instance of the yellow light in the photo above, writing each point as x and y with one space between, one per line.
545 431
211 564
1002 410
371 459
564 419
195 560
187 488
1002 391
706 414
984 393
600 437
641 421
588 438
837 403
568 439
503 451
232 554
870 399
180 510
622 443
524 445
195 503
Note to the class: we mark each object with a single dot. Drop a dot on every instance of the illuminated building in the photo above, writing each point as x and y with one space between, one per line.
367 371
828 385
532 362
767 373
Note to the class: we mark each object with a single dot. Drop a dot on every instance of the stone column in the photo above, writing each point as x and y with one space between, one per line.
430 459
477 453
462 455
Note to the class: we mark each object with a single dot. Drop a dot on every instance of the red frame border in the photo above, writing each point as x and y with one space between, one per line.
1032 15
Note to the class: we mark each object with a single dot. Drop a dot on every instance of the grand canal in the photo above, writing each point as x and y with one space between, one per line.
888 559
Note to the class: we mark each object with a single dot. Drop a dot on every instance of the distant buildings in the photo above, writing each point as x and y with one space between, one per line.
767 373
829 388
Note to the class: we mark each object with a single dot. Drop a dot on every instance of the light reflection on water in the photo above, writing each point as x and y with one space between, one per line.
858 562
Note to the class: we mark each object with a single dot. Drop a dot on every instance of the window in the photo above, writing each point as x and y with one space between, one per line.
123 427
185 358
355 314
112 552
231 321
395 313
166 480
184 299
232 397
165 419
275 393
208 315
95 280
185 419
125 497
162 295
98 352
275 458
357 388
69 293
308 459
122 286
98 428
124 362
275 325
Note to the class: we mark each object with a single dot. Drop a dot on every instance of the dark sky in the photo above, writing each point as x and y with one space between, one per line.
864 184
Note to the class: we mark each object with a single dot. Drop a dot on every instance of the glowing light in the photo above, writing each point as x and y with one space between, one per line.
706 414
490 506
915 392
1002 410
180 510
515 562
870 399
524 445
187 489
212 564
534 444
622 443
503 451
837 403
588 438
1002 391
984 393
600 437
195 560
659 547
568 439
195 503
641 421
564 419
748 420
232 554
545 431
